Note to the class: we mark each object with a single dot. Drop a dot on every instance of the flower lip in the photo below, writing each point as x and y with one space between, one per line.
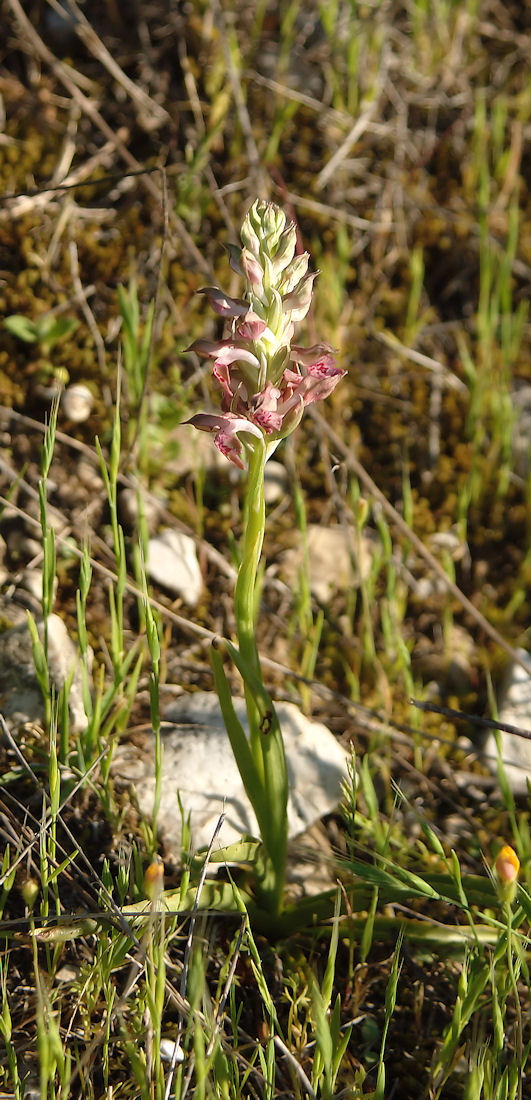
222 375
265 409
234 351
226 428
225 352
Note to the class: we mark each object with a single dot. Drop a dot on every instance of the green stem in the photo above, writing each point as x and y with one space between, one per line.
267 749
245 591
514 985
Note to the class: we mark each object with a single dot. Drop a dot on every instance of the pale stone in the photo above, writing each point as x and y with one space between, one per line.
67 973
89 475
514 709
62 658
199 764
337 560
77 402
170 1052
21 545
31 580
172 562
21 695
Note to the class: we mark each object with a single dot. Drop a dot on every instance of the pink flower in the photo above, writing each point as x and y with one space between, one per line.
251 327
263 396
265 409
226 428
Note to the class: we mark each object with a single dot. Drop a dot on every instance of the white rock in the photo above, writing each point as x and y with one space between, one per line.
198 762
172 562
514 709
21 695
77 402
31 580
67 973
62 658
169 1051
331 552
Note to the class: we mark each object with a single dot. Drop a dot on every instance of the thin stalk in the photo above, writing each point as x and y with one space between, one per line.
266 746
245 591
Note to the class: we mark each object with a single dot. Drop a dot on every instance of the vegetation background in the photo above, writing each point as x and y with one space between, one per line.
396 134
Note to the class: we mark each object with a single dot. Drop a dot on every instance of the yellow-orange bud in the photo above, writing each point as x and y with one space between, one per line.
30 892
154 879
507 865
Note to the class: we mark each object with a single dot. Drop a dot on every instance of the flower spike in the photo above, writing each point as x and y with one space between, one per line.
266 381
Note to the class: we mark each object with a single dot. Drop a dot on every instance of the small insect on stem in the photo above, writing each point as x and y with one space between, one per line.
266 723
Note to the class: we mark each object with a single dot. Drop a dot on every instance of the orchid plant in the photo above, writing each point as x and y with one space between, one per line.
266 382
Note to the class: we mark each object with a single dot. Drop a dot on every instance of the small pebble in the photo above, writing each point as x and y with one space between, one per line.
89 475
514 709
67 973
77 402
172 562
167 1048
31 580
331 552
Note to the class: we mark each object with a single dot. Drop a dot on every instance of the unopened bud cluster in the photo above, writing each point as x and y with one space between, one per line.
266 380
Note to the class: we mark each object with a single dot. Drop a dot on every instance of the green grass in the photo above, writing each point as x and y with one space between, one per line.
395 134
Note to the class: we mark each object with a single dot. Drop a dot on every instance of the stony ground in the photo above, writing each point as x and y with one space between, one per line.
398 138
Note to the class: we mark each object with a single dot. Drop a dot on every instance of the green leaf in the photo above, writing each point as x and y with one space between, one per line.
59 329
329 974
242 851
21 327
39 656
272 762
239 743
